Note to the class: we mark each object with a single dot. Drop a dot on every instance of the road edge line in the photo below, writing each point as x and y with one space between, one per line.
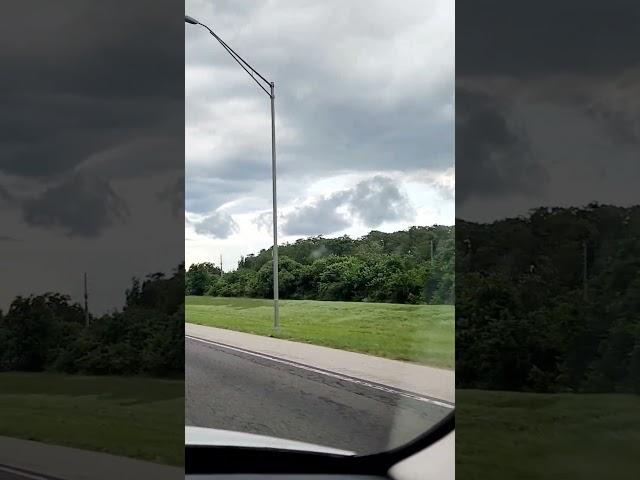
340 376
21 472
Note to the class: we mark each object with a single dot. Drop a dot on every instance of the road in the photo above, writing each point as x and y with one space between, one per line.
26 459
12 473
234 390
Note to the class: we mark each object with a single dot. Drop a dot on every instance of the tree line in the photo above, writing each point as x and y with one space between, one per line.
50 333
378 267
550 302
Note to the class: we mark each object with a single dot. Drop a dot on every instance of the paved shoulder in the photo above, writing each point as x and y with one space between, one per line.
22 459
428 381
230 389
11 473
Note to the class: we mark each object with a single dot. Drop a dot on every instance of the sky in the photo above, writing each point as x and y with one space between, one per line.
364 121
553 119
91 147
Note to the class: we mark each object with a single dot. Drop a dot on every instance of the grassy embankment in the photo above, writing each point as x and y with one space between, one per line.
507 435
135 417
417 333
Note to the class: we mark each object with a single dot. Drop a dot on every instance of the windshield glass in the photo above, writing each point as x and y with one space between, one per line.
319 220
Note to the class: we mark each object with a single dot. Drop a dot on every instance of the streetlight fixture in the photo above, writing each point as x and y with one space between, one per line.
261 81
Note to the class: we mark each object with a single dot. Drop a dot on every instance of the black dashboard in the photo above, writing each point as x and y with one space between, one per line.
293 476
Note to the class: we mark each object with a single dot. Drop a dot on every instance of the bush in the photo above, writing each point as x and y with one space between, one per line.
381 267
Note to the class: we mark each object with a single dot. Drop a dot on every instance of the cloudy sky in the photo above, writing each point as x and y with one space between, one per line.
547 105
364 118
91 147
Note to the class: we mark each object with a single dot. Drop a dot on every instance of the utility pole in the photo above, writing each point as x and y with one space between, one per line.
220 264
584 270
86 301
467 243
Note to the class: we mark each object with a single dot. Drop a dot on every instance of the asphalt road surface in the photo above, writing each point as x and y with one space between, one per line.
234 390
5 475
11 473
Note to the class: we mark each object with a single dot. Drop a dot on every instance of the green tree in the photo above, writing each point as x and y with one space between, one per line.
199 278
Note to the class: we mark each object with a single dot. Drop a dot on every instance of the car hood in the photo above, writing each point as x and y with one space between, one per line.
196 436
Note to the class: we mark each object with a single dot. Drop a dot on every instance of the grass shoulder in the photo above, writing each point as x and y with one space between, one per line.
416 333
136 417
506 435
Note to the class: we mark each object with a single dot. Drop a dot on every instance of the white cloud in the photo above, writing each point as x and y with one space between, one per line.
218 224
363 89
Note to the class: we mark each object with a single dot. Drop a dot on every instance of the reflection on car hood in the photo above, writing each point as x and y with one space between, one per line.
229 438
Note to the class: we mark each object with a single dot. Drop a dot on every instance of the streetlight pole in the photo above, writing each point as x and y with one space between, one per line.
276 293
271 92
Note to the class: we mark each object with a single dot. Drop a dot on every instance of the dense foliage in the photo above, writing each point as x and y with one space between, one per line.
550 302
48 332
379 267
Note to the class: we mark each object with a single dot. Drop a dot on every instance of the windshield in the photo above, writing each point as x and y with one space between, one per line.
319 221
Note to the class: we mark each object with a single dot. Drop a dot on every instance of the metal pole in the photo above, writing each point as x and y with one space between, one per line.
86 301
276 313
584 271
250 70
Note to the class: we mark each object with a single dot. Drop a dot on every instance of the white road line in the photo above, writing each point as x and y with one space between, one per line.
339 376
22 473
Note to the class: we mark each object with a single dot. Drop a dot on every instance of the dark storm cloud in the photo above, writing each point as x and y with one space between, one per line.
5 197
546 102
94 49
353 93
46 133
235 168
217 225
99 89
316 219
204 195
526 39
174 196
66 96
616 107
493 158
371 201
91 129
65 206
352 136
138 157
379 200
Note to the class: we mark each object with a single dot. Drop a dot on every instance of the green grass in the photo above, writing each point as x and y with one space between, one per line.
507 435
135 417
417 333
